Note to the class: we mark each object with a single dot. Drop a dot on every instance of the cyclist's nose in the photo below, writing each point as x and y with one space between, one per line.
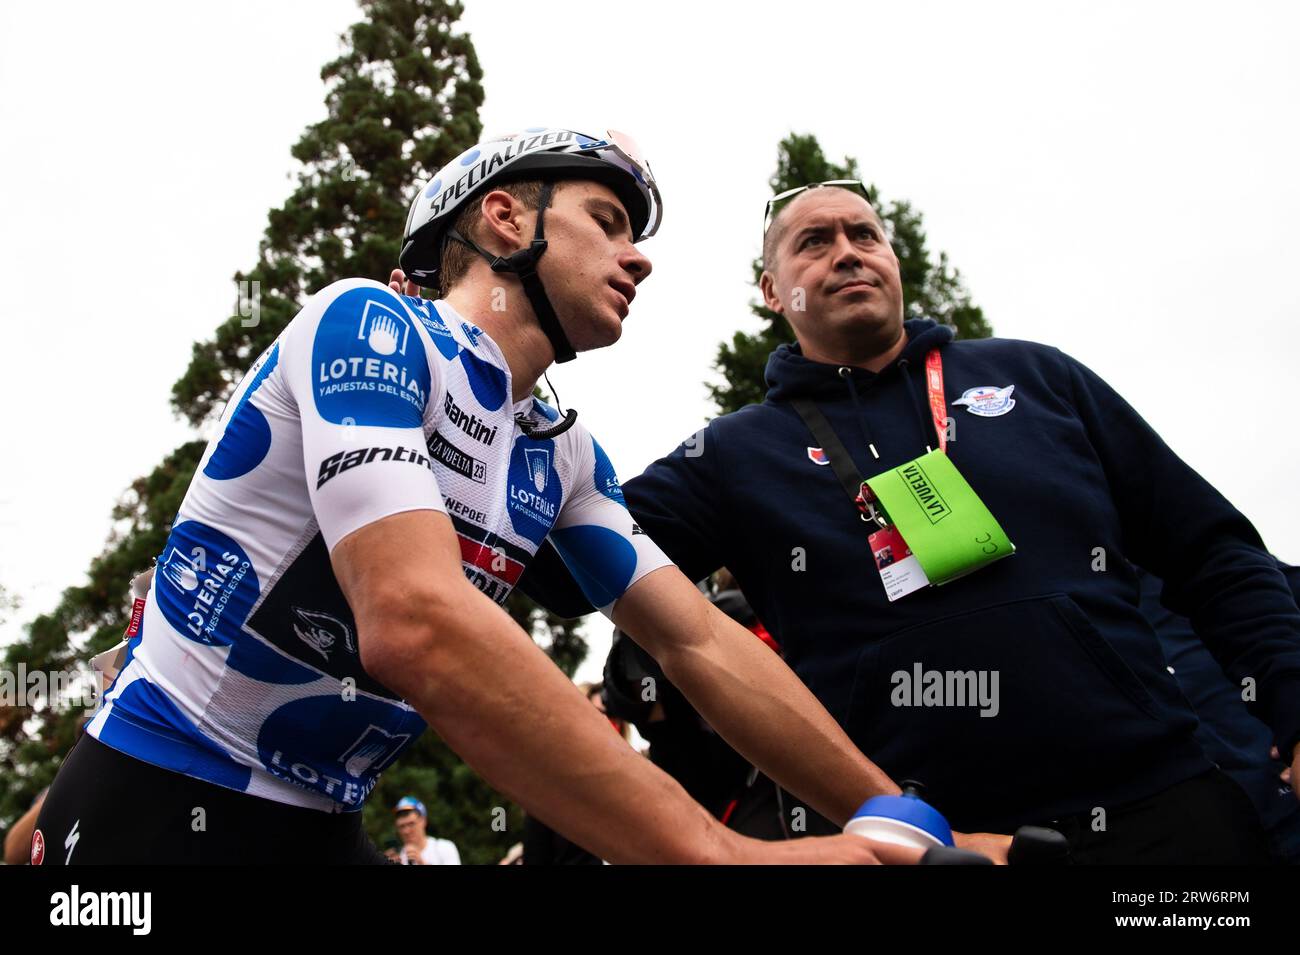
636 264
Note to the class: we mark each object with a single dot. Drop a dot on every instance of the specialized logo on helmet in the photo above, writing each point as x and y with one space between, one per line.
987 401
481 166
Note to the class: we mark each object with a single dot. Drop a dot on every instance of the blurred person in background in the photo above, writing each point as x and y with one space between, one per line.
418 847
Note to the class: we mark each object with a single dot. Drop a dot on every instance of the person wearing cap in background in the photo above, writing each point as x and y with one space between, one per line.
418 847
967 614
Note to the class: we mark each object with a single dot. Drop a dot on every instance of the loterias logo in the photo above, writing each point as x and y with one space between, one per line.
369 368
534 488
918 482
314 727
209 580
75 907
539 466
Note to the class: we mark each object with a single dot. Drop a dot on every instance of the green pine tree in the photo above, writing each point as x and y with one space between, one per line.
401 101
931 289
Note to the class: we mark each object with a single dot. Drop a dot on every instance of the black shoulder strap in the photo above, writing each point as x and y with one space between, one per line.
822 432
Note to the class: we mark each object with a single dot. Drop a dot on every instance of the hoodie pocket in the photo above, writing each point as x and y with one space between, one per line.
1026 694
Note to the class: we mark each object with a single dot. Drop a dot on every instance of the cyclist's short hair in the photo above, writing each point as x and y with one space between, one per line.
457 256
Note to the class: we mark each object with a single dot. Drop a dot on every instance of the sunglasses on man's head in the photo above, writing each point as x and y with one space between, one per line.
770 213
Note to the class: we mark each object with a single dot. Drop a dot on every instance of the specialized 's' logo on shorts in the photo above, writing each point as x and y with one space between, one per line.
70 843
987 401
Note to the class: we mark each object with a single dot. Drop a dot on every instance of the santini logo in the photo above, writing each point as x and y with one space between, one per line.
342 461
480 431
103 908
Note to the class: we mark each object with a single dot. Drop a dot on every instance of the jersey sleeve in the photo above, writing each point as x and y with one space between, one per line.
601 545
357 367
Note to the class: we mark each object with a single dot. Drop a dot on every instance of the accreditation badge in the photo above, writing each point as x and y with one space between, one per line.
932 526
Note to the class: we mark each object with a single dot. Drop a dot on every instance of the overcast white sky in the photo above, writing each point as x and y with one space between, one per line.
1116 179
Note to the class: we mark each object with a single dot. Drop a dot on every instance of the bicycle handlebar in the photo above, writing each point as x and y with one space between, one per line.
1031 845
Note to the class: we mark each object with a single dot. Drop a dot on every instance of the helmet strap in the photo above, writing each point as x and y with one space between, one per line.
523 264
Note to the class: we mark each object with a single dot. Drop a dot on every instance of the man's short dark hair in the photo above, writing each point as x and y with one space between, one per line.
776 229
457 257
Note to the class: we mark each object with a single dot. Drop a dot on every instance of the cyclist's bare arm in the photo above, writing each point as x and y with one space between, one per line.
748 694
487 689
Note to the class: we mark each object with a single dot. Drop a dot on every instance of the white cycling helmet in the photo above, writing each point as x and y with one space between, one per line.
541 153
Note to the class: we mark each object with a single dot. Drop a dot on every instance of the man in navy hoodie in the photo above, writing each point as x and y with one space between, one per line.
1087 730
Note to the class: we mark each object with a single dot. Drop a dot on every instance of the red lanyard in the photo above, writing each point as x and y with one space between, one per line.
938 406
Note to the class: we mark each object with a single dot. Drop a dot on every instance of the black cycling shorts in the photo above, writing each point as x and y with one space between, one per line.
105 807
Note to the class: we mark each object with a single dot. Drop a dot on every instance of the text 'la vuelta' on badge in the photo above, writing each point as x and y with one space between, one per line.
947 527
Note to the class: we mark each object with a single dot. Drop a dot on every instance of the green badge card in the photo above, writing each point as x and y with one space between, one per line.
945 524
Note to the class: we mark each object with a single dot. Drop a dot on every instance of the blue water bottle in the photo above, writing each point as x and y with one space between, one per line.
906 820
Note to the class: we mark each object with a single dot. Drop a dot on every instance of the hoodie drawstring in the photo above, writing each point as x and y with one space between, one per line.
920 416
903 366
845 373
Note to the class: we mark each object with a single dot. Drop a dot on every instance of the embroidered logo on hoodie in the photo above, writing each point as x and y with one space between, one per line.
988 401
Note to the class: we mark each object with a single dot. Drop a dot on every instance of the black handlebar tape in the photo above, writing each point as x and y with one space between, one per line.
1034 845
948 855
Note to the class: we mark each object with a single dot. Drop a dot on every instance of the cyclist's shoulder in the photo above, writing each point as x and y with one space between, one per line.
361 300
341 287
